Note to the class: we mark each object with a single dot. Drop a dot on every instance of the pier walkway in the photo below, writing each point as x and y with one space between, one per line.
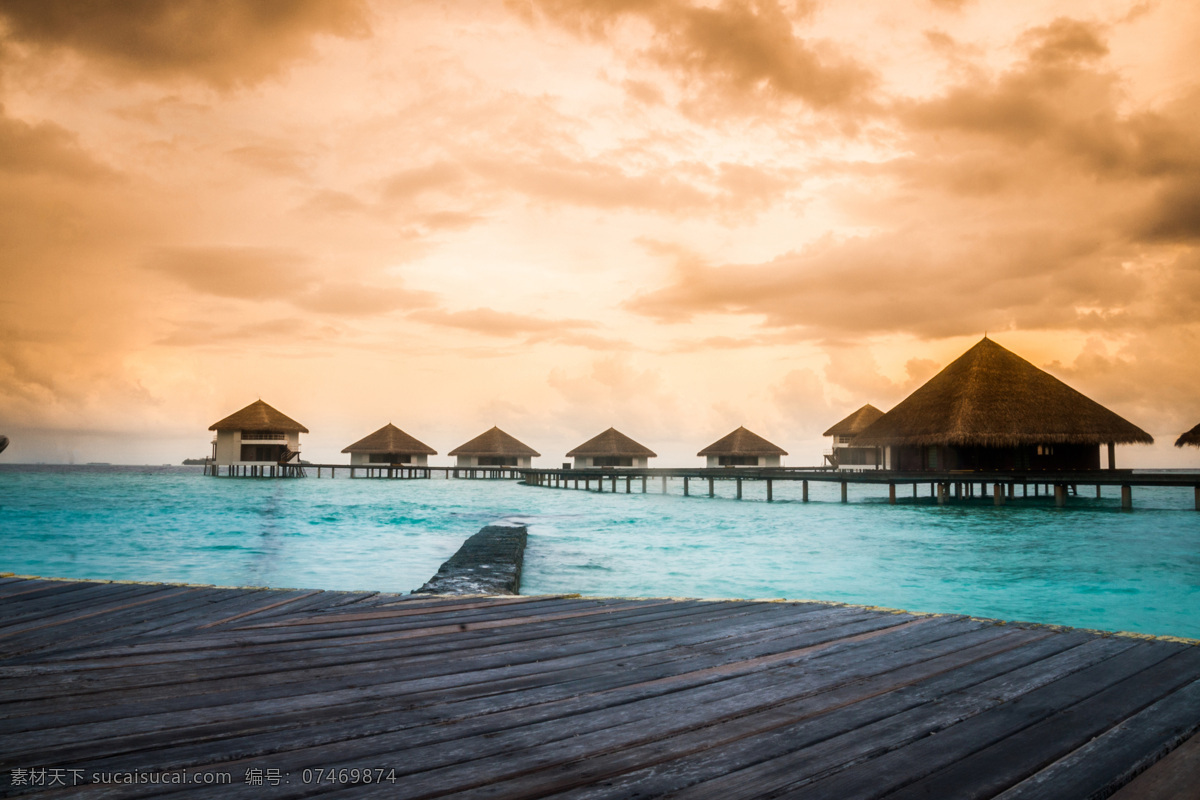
276 693
942 486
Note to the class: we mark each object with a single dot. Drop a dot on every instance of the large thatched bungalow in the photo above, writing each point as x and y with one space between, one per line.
612 449
990 409
495 448
1192 437
742 448
389 445
843 454
258 435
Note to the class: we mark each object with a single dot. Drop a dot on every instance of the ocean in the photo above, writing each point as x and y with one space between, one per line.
1088 565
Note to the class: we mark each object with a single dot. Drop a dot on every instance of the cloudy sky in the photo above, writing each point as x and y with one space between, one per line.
670 216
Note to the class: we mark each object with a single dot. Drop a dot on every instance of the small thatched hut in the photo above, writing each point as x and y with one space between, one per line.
1192 437
742 448
389 445
258 434
843 454
494 448
612 449
990 409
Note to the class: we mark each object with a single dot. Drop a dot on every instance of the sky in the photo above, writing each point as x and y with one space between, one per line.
669 216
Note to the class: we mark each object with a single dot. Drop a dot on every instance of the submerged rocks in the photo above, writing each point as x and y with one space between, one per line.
487 563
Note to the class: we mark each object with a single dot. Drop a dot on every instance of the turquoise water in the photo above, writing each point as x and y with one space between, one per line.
1088 565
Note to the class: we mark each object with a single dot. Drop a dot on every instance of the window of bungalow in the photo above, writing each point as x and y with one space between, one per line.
738 461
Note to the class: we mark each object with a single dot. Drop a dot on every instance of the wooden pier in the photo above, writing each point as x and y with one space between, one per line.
942 487
283 693
388 471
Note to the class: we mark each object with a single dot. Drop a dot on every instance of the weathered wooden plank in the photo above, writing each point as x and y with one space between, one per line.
30 635
100 622
990 771
438 731
35 588
673 729
59 604
931 671
1173 778
208 658
256 712
435 720
929 753
861 735
1109 761
46 697
70 691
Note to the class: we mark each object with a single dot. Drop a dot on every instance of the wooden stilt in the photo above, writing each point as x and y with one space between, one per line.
914 491
943 493
771 493
1060 494
1198 497
711 493
664 484
614 484
804 491
844 485
1011 489
628 484
1097 491
685 487
998 494
643 484
739 488
891 494
1126 497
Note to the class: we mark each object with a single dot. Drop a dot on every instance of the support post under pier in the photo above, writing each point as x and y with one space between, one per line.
891 494
998 494
1060 495
804 491
844 485
1127 497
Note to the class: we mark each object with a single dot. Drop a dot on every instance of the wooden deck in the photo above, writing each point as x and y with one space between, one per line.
569 697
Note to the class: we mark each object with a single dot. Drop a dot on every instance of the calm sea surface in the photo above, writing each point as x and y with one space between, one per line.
1088 565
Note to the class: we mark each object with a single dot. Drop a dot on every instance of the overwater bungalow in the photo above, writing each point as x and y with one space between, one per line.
495 448
389 445
258 435
843 453
990 409
612 449
1192 437
742 448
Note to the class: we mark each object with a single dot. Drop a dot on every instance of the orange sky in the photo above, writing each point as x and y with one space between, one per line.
558 215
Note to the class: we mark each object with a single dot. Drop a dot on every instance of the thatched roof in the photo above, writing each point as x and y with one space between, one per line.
612 443
258 416
494 442
390 439
992 397
856 422
742 443
1192 437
